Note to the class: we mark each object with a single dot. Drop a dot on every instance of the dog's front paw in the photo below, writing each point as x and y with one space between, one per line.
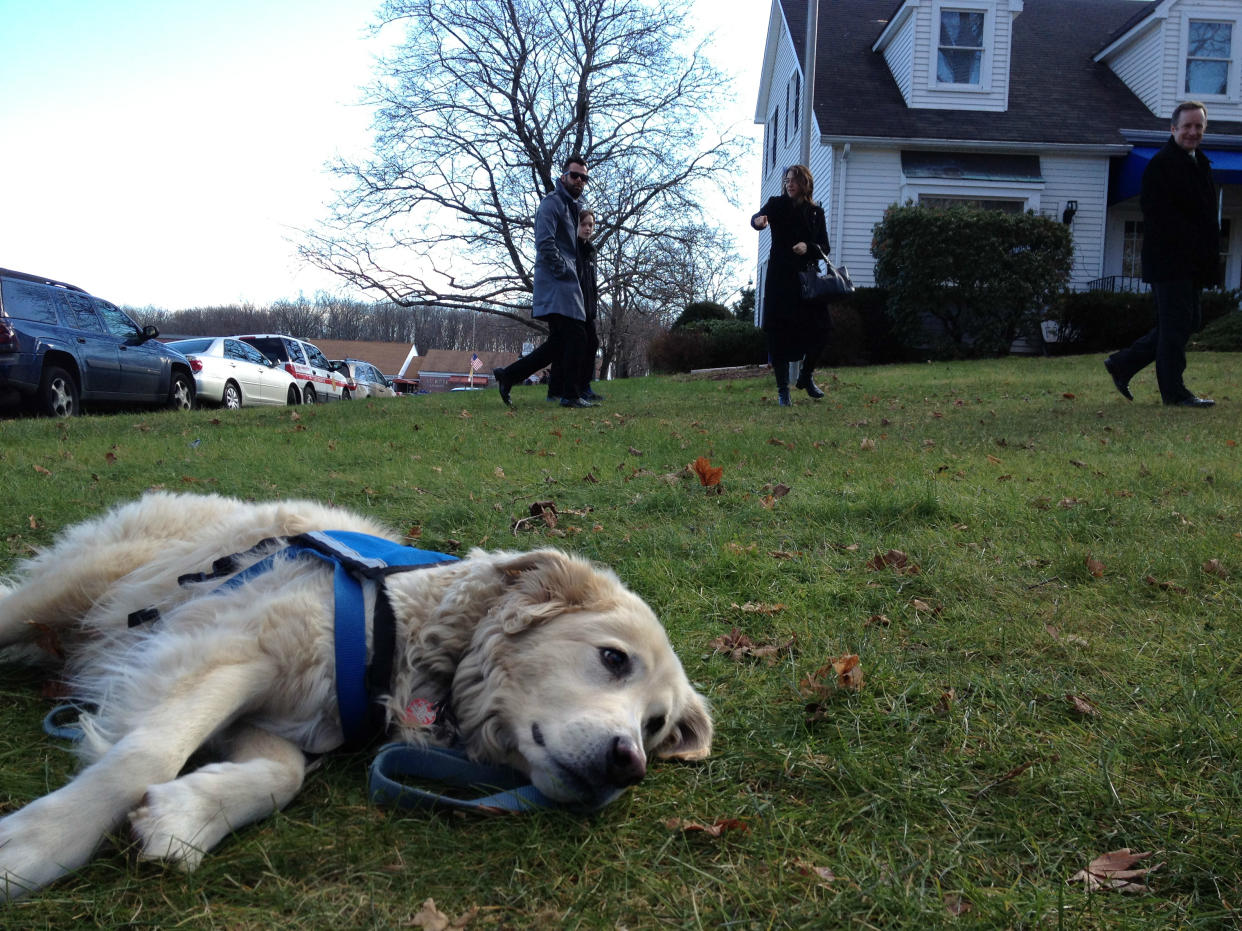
170 825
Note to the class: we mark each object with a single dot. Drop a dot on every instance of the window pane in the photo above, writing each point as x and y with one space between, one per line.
116 322
959 66
961 29
24 301
1207 77
1210 40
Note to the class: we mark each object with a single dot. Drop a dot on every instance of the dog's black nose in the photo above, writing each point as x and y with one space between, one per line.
626 763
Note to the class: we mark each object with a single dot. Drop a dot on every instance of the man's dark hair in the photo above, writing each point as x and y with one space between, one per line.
1187 105
573 160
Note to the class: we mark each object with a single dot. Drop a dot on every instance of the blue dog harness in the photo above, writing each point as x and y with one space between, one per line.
357 558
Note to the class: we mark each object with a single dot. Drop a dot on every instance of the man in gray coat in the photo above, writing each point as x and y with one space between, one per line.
557 294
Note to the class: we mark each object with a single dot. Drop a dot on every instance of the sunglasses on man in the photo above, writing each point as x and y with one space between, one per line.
578 176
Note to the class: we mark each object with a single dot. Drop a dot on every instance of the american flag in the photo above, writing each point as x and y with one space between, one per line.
475 362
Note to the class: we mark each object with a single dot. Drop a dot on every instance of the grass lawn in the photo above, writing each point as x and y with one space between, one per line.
1051 672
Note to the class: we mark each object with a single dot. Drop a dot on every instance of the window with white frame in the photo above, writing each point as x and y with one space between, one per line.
774 126
1209 57
795 112
960 49
1132 249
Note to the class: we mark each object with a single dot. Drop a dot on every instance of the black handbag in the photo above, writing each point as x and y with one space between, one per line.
819 286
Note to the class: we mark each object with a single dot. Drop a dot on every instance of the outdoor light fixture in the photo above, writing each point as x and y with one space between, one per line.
1071 208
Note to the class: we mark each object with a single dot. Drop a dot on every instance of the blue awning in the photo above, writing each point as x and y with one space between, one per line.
1125 181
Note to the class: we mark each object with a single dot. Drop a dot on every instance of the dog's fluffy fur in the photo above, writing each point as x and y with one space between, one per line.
548 664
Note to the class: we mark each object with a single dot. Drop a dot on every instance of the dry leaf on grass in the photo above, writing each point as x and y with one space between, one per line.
1095 567
709 476
896 560
711 830
956 905
1114 871
1213 567
738 646
754 607
847 672
1082 705
430 918
1167 586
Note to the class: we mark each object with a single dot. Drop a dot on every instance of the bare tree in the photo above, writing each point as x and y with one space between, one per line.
476 112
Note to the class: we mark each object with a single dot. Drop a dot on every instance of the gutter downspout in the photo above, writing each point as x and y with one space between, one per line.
808 95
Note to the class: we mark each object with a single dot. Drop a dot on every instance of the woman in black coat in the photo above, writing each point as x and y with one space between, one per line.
795 330
590 300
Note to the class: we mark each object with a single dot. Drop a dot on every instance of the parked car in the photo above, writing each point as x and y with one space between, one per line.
60 347
316 379
369 382
234 374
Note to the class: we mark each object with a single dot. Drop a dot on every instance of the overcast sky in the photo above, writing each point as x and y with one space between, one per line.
163 153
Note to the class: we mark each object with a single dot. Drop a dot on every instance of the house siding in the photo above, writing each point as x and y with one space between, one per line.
899 56
1142 67
1084 179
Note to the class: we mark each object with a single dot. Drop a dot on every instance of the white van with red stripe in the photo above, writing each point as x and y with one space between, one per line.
316 379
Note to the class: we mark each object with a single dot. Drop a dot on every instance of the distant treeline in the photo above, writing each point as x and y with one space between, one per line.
326 317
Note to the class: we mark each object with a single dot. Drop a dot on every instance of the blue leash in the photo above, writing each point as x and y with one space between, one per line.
453 768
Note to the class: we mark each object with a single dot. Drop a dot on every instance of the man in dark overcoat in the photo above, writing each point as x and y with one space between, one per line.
1181 256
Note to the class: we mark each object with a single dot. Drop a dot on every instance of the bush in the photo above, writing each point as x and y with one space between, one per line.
1101 321
1224 334
700 311
982 275
707 344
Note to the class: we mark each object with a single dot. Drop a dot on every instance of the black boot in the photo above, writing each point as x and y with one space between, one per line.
806 382
781 371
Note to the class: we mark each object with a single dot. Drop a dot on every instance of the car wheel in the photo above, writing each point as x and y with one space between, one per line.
308 395
180 392
294 397
58 393
232 396
345 395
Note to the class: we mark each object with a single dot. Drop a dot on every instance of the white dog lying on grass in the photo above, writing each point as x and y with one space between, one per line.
539 660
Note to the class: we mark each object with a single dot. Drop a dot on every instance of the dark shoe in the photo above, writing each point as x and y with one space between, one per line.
554 399
1123 384
575 402
503 384
1192 401
806 381
590 395
782 397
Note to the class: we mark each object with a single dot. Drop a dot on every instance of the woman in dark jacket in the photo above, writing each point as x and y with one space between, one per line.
795 329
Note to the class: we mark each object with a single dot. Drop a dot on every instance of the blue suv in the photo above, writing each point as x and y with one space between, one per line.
60 347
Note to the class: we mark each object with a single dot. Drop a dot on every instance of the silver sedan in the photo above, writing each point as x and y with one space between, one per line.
235 374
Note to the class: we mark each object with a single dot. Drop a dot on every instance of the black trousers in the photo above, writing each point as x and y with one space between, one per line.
562 350
1178 315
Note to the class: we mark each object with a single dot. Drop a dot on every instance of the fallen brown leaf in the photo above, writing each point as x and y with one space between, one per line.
1167 586
849 675
1213 567
43 471
896 560
1095 567
956 905
711 830
1082 705
430 918
708 475
739 646
1114 871
753 607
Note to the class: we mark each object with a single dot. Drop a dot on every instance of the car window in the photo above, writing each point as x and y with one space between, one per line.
82 314
248 352
293 351
271 346
24 300
236 350
317 358
186 346
116 321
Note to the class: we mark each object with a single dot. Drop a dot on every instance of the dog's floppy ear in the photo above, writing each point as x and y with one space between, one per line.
543 584
691 738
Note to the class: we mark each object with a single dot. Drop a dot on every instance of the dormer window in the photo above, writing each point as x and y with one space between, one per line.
959 56
1209 58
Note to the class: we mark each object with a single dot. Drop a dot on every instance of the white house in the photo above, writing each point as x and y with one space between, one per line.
1046 105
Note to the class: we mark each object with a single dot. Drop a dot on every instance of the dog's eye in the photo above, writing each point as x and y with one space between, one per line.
615 661
655 724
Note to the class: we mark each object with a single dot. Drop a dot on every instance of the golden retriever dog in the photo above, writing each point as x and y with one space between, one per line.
541 661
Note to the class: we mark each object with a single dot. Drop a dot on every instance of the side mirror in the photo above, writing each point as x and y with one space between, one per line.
149 332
